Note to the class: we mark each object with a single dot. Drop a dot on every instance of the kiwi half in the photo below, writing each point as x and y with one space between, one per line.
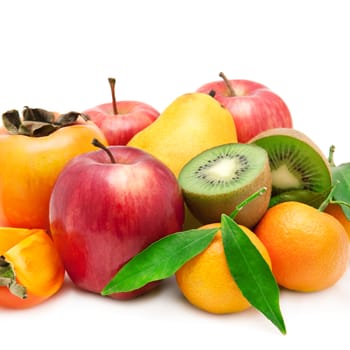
217 180
300 171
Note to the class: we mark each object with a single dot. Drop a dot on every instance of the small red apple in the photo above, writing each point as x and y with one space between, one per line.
120 121
253 106
108 205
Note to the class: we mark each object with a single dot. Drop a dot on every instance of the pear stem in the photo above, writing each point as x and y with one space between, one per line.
98 144
246 201
231 92
114 101
212 93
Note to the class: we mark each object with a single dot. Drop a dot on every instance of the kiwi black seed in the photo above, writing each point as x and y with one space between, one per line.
217 180
297 164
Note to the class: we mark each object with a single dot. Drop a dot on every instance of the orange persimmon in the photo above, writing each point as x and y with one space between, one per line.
29 166
31 269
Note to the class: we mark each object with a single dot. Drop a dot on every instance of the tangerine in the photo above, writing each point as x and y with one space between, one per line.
309 249
206 281
336 211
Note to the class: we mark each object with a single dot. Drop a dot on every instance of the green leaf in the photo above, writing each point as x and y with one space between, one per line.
160 260
341 181
251 272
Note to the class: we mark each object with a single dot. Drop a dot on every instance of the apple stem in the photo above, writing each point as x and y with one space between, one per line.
231 92
114 101
98 144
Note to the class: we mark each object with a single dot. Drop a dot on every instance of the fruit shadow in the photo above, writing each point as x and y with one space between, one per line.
70 288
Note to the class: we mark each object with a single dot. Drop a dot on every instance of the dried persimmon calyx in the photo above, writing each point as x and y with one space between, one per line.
38 122
8 279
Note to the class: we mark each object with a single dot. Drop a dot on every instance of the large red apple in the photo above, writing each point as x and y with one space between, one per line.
253 106
121 120
103 213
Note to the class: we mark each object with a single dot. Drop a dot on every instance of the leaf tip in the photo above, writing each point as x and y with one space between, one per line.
107 290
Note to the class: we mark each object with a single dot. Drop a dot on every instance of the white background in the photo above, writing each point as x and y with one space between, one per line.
58 55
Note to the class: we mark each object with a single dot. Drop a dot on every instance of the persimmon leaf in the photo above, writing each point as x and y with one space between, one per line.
11 121
38 115
36 129
38 122
70 118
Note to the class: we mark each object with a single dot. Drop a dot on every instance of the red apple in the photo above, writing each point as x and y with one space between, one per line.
253 106
103 213
120 121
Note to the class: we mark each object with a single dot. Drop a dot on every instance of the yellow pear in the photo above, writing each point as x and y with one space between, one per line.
192 123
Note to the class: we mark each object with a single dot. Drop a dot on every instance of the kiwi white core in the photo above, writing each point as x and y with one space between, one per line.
282 178
224 168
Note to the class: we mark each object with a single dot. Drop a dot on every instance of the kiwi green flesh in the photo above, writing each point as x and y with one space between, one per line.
314 199
217 180
223 169
295 165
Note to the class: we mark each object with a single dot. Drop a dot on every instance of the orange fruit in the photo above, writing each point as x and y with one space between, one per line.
206 281
309 249
336 211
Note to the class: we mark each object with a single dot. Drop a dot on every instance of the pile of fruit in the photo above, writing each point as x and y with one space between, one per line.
218 190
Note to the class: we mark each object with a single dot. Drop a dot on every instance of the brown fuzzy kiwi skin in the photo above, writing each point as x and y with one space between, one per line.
207 209
251 214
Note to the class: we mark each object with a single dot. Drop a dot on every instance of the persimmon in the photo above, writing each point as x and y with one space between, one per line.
32 154
31 269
